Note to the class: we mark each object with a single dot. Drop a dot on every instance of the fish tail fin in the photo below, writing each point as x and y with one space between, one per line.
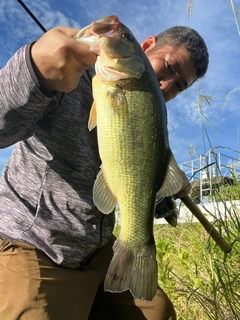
133 270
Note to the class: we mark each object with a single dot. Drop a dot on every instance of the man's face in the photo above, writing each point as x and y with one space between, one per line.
173 66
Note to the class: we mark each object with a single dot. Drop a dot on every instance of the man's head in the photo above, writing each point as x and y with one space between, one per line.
179 57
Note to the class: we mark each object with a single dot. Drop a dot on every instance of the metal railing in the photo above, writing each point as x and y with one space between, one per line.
205 170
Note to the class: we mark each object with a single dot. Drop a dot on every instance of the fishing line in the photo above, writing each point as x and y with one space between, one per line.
32 15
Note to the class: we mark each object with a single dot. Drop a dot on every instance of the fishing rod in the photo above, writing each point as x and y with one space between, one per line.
213 232
32 15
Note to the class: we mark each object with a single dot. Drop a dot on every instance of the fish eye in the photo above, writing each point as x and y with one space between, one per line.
127 36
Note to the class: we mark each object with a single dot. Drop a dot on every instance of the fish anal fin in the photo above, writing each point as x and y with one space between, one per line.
134 270
92 122
103 197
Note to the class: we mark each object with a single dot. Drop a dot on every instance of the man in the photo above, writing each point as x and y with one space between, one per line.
56 246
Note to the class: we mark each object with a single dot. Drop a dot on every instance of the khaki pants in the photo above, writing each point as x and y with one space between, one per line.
32 287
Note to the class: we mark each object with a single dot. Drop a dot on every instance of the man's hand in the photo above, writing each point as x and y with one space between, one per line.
59 60
186 188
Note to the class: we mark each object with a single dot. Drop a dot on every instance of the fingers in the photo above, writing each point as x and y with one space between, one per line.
183 192
69 32
186 188
59 60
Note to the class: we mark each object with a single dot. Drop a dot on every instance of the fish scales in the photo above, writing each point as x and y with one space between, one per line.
136 145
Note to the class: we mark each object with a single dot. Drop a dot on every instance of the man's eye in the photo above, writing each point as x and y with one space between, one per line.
178 87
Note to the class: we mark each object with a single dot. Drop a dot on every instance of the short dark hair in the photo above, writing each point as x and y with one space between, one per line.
191 40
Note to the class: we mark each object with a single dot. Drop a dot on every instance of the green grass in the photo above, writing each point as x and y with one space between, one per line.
201 280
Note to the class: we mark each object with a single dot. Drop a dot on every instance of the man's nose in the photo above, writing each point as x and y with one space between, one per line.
165 85
168 89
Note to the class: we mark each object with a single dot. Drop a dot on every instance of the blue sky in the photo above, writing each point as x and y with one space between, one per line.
213 19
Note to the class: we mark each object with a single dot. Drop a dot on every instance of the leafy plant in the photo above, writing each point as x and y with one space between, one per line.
201 280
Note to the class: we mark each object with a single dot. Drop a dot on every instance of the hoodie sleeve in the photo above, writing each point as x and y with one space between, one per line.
22 98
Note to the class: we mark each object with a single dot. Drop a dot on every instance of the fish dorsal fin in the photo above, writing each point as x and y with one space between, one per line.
92 122
173 179
103 197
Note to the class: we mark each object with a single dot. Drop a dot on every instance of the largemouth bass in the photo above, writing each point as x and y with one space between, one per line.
137 162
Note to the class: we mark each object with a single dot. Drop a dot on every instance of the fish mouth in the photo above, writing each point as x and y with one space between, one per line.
99 28
116 57
105 28
119 62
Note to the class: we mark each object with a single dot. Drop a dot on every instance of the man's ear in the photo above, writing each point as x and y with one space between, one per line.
149 43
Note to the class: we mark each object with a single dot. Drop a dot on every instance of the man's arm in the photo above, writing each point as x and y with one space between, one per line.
32 77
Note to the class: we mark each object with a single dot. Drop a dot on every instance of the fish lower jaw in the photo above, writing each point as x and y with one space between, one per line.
111 74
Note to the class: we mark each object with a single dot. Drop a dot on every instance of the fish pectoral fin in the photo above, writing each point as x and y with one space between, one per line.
92 122
103 197
173 179
118 97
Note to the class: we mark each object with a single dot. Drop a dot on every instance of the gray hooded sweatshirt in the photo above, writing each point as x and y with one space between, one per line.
46 186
